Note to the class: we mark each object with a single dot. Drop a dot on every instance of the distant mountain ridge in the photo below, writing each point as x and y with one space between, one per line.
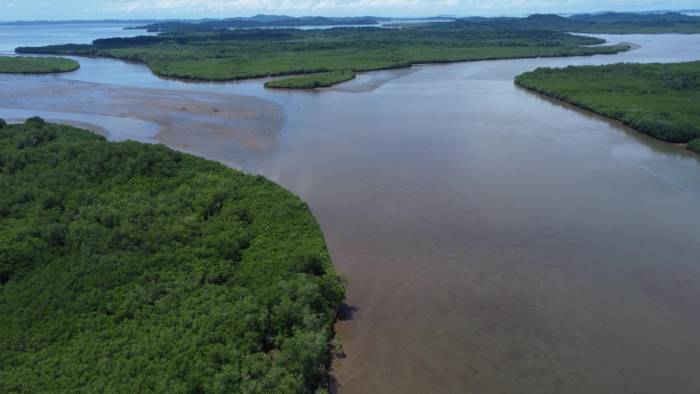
597 22
262 21
605 22
608 22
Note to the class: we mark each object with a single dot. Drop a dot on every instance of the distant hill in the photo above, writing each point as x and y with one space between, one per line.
608 22
261 21
605 22
615 17
655 21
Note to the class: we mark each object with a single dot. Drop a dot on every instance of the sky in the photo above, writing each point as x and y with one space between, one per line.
164 9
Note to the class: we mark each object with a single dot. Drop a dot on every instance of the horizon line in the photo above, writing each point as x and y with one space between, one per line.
456 16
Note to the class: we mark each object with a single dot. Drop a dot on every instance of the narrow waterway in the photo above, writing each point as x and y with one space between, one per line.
494 241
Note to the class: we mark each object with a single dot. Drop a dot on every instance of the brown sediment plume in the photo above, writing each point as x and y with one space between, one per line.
202 122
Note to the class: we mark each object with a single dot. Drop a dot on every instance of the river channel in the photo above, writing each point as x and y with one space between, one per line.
494 241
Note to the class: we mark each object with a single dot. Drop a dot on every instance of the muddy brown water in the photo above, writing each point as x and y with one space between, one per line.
495 241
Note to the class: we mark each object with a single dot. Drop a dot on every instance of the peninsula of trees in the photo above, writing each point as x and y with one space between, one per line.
660 100
327 56
128 267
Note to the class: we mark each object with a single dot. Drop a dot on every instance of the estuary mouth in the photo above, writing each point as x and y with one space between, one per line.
494 240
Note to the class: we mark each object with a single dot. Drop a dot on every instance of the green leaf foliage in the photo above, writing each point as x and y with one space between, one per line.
694 145
36 65
128 267
329 55
312 81
660 100
606 22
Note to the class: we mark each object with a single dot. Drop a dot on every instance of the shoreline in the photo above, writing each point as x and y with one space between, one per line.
623 47
225 125
389 289
394 67
621 123
68 66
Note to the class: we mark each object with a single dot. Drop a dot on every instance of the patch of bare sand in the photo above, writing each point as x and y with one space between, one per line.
212 124
370 81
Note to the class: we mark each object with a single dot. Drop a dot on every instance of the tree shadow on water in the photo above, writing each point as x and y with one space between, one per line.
347 312
333 385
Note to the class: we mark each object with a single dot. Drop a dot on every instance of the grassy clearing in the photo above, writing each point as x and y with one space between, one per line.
217 55
660 100
130 267
36 65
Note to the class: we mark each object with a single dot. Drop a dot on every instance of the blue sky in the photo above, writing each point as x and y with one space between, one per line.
95 9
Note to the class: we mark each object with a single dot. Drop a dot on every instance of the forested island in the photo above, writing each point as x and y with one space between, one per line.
261 20
327 56
36 65
241 48
607 22
128 267
660 100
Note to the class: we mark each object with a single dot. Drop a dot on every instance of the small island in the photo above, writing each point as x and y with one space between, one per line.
233 49
325 57
312 81
660 100
36 65
131 267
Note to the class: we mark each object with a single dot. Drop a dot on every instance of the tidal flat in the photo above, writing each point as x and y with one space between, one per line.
188 121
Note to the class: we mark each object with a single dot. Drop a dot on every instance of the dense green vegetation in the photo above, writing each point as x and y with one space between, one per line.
608 22
127 267
611 22
312 81
660 100
36 65
694 145
210 50
216 54
622 23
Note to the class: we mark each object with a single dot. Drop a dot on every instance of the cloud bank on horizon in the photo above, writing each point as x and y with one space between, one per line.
98 9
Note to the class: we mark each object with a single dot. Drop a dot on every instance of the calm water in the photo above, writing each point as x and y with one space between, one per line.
495 241
13 36
113 127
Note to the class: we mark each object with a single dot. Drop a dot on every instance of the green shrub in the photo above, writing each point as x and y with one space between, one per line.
35 121
694 145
